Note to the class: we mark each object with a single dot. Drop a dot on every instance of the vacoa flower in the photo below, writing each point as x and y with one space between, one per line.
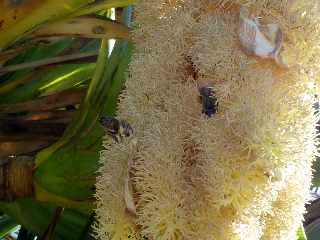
241 173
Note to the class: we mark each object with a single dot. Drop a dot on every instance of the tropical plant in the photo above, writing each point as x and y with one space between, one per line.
56 80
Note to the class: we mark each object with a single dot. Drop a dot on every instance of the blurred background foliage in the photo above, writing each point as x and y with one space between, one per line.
58 74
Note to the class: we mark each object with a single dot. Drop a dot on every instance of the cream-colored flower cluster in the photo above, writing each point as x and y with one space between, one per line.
244 173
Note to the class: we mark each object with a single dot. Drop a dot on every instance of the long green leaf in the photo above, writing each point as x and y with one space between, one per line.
64 77
81 116
36 217
316 173
74 164
23 16
23 84
313 230
7 225
69 171
59 78
301 234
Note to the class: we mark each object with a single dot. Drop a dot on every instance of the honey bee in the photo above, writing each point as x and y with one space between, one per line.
209 101
117 129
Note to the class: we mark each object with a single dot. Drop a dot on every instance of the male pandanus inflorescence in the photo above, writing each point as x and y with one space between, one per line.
236 164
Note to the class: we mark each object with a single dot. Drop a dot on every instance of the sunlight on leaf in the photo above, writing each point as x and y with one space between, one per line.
301 234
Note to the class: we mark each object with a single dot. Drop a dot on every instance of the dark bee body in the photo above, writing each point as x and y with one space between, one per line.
209 101
117 129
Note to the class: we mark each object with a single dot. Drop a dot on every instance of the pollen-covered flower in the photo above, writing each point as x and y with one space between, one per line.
241 172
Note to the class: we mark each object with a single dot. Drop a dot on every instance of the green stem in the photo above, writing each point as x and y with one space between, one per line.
98 74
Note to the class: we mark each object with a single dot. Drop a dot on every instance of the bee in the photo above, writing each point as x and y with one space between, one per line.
209 101
117 129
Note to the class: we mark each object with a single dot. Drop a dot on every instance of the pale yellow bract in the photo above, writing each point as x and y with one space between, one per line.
243 174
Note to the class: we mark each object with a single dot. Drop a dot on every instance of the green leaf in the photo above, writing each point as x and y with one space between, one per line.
69 173
7 225
313 230
316 173
70 170
59 78
33 54
66 172
82 114
24 84
17 19
91 46
94 102
41 51
64 77
85 27
36 217
301 234
118 82
49 234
